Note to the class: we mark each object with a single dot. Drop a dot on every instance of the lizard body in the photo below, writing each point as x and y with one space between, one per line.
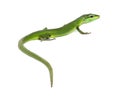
50 34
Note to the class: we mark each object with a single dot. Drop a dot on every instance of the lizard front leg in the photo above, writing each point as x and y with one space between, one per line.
81 32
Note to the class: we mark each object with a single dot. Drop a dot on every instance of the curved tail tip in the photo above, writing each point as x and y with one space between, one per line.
51 85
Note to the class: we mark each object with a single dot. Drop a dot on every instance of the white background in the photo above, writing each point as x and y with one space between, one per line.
84 65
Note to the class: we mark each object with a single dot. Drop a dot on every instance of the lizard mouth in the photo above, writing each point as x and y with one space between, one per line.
97 16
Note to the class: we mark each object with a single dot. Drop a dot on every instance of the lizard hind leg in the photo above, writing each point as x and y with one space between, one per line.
46 37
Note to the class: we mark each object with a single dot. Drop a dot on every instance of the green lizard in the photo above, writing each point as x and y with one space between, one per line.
50 34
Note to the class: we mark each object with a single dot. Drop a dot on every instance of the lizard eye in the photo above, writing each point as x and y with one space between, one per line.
91 16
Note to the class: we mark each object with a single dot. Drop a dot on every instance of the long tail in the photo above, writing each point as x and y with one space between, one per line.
35 56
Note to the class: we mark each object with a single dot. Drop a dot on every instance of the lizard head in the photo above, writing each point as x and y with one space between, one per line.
89 18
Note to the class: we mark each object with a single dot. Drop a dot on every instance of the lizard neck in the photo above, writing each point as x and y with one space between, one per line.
77 22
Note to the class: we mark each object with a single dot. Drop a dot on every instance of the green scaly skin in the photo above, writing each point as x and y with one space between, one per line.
50 34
